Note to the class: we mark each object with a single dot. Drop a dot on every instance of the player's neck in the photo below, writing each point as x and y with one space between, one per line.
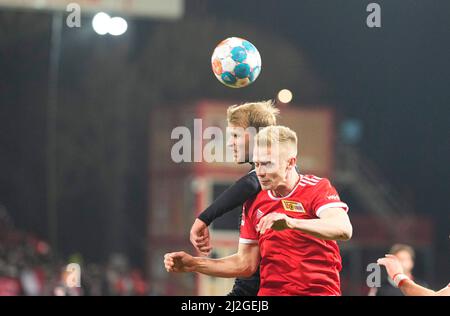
289 184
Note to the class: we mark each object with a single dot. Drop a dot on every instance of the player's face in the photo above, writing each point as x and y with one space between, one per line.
238 141
271 167
406 260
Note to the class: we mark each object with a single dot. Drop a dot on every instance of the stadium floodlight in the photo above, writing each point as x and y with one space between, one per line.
101 23
117 26
285 96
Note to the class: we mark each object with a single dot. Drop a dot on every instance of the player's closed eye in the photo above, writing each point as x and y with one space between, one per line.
263 164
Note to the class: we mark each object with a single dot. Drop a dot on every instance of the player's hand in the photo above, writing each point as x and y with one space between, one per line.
179 262
275 221
392 264
199 237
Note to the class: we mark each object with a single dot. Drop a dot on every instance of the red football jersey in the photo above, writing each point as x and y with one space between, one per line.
293 262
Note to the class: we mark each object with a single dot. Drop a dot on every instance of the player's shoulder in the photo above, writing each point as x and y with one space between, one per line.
250 179
247 186
247 204
252 175
260 198
312 181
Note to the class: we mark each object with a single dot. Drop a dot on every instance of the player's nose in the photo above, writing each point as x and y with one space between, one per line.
231 142
260 172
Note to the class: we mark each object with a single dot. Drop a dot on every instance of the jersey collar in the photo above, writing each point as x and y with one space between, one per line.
276 198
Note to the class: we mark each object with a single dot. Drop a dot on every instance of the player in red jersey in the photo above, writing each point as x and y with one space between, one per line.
292 225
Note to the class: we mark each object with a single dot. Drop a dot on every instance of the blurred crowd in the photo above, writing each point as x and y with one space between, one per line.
28 266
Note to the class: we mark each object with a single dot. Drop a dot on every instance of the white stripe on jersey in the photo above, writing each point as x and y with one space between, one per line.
332 205
304 181
259 213
312 178
247 241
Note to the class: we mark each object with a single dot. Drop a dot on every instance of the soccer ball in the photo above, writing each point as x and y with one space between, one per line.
236 62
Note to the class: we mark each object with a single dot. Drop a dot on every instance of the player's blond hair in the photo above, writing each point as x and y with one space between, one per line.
271 136
253 114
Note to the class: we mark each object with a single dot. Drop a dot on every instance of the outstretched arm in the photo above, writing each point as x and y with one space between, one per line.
245 188
242 264
403 282
333 224
410 288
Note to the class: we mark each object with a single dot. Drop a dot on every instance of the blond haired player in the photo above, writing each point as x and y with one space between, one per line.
244 120
291 226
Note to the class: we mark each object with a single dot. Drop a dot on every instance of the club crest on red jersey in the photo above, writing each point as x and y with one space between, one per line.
293 206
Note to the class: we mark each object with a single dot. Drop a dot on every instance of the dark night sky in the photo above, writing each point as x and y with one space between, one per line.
394 79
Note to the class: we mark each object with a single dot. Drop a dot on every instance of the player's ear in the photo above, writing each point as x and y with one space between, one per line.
292 162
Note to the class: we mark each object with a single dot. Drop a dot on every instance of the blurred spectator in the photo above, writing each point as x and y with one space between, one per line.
404 283
28 267
31 281
406 256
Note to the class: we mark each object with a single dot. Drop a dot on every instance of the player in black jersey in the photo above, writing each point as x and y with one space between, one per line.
244 121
